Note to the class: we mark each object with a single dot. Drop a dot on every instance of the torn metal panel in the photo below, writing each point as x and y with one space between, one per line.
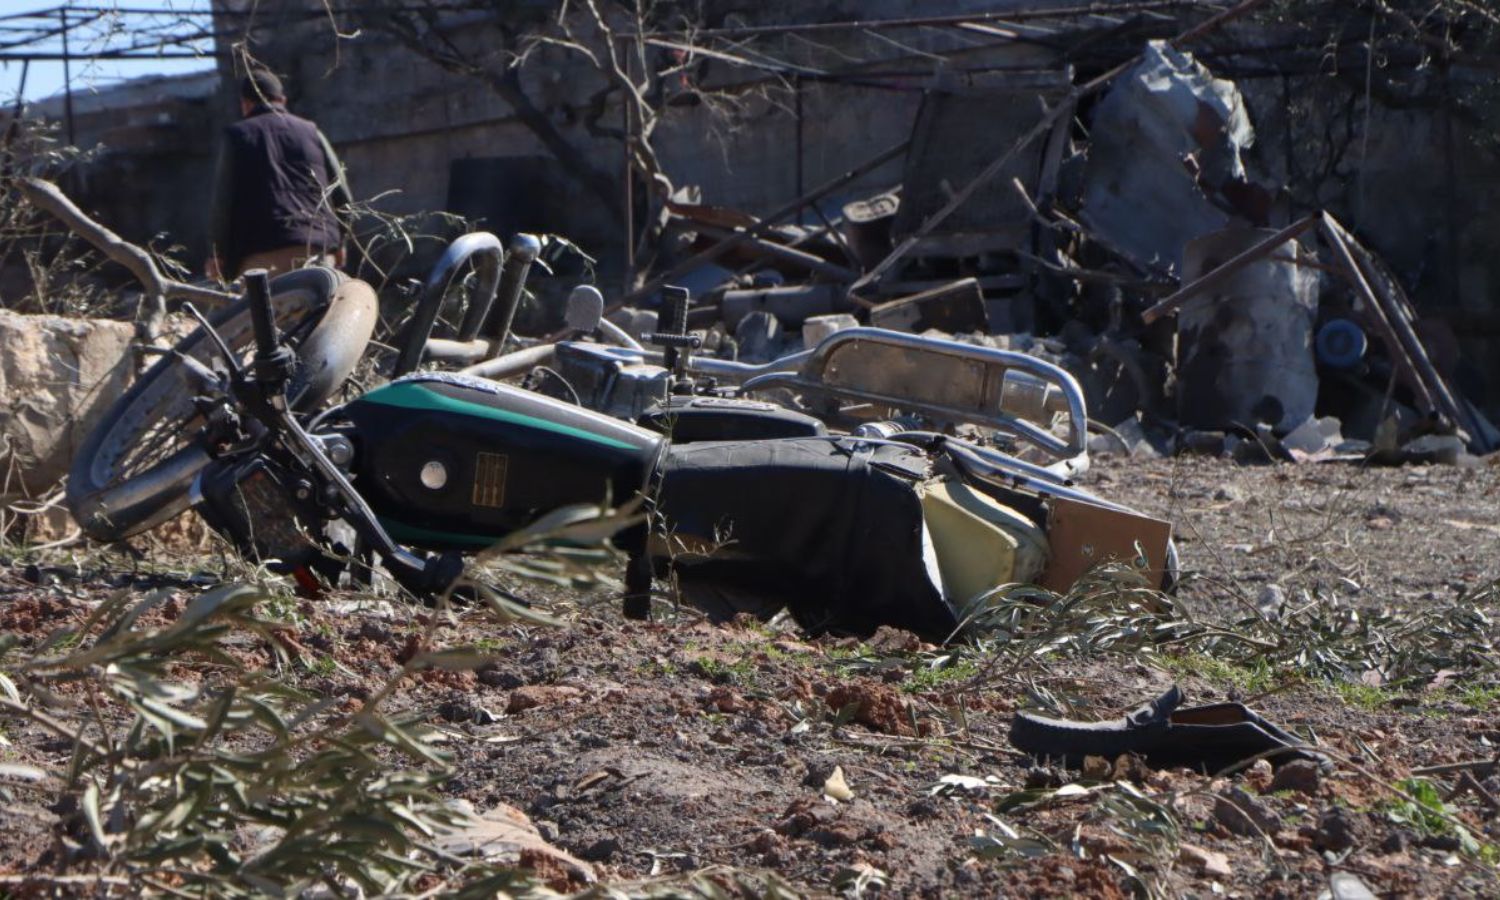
1165 158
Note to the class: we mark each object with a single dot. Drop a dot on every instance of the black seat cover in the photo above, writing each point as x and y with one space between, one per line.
832 527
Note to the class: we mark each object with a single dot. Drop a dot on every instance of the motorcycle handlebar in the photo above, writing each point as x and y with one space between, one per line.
258 296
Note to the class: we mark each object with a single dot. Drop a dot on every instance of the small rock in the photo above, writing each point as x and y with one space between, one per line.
1301 776
1347 886
456 711
1229 494
494 676
543 664
1243 815
1209 862
373 631
1096 768
635 322
815 328
1314 438
1395 842
1129 767
1259 775
1107 445
836 787
1336 830
602 850
1044 777
1131 432
1270 602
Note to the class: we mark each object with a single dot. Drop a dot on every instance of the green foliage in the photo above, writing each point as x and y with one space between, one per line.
1111 611
237 785
1424 811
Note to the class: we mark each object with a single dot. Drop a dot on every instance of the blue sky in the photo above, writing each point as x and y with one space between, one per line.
45 78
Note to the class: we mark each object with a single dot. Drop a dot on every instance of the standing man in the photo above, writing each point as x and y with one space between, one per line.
280 199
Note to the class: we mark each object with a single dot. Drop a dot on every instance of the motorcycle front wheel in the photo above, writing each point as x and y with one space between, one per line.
137 467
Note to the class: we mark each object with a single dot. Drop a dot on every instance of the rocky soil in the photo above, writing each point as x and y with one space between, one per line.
882 767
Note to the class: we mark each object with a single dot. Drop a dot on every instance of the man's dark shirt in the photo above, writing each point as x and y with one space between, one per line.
278 185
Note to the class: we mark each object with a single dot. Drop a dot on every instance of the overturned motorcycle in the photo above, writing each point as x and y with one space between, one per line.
870 513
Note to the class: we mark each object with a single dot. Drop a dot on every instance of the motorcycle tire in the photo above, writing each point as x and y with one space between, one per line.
136 469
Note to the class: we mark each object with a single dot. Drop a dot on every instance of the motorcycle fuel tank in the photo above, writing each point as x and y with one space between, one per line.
451 461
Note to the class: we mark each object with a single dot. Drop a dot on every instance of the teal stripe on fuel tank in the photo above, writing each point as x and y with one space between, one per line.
411 395
411 534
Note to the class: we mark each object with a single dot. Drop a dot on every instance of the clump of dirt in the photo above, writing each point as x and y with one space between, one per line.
875 705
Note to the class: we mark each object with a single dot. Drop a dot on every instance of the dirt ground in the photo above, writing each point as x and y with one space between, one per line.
657 749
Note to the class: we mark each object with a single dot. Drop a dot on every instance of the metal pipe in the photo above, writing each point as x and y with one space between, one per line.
442 350
512 364
524 249
482 247
618 335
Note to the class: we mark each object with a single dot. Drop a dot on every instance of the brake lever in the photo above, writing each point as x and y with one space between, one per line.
236 371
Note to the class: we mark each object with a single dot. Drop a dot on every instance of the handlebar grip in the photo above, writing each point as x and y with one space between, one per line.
258 295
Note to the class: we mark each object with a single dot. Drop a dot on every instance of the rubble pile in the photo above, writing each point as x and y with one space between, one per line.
1147 259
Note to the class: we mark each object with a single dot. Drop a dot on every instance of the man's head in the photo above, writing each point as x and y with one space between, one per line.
260 86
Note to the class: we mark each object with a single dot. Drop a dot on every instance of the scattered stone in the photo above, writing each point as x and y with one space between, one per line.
1096 768
494 676
1259 775
816 328
1336 830
1134 436
1396 841
877 706
602 850
1243 815
1229 494
1444 843
1314 439
456 711
1347 886
1106 445
894 640
1038 777
836 787
1209 862
1301 776
542 664
1129 767
1270 602
635 322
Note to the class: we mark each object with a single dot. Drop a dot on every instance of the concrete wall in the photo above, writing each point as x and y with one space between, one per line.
151 144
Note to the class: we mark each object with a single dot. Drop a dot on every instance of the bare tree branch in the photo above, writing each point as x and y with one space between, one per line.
48 197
